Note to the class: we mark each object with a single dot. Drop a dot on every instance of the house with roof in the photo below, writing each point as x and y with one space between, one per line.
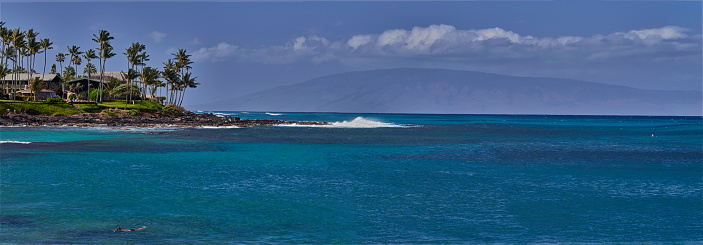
81 84
15 82
108 74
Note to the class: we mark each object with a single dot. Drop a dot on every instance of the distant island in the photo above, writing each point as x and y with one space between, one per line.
441 91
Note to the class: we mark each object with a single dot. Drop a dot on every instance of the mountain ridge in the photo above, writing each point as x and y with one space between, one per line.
442 91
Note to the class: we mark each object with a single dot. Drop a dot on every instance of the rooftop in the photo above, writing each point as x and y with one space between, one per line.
24 76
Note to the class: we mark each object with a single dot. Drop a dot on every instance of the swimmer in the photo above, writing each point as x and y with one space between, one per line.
128 230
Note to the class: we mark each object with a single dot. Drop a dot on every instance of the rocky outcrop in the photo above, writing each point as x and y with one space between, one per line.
188 119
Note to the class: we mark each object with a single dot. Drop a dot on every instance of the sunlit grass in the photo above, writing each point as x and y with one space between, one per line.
44 108
63 108
141 106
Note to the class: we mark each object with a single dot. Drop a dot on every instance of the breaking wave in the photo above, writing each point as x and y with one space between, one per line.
359 122
211 127
13 142
273 114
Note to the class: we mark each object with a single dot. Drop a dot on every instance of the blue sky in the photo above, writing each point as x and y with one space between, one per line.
244 47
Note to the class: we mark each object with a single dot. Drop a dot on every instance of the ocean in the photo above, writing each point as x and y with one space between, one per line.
367 178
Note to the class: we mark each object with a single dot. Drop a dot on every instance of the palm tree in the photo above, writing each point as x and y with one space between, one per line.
183 60
3 33
132 60
147 76
130 75
74 51
183 65
18 43
3 72
111 85
107 53
187 82
32 47
9 56
69 72
46 45
171 77
75 87
8 50
36 87
143 57
103 38
77 60
53 69
89 68
61 58
90 54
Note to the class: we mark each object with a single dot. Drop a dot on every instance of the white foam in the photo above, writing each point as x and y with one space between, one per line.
209 127
14 142
273 114
358 122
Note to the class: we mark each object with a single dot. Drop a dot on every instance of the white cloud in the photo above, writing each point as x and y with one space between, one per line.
666 33
157 36
219 52
446 43
299 43
391 37
309 43
359 40
496 33
423 38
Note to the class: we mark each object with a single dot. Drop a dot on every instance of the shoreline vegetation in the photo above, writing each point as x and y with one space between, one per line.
139 81
112 101
22 113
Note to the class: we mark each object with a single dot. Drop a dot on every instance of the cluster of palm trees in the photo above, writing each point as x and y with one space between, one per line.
21 47
177 74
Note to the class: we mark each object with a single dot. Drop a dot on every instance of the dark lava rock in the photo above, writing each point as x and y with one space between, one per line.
188 119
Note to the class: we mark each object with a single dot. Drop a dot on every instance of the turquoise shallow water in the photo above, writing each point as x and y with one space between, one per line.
373 178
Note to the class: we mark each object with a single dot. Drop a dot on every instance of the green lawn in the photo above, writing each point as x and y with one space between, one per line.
44 108
143 106
62 108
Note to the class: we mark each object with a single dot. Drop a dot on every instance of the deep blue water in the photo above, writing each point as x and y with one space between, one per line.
376 179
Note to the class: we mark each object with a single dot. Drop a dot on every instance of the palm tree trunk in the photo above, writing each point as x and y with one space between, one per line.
98 96
44 72
63 84
89 81
102 76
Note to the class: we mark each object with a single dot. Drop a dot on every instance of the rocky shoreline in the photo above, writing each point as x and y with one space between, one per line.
187 119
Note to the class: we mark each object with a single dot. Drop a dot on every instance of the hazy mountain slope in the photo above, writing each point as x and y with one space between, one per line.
461 92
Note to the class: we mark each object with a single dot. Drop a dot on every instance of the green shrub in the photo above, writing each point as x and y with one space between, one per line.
120 92
55 99
94 94
168 110
134 112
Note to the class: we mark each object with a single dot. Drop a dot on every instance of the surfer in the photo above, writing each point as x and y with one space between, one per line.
128 230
